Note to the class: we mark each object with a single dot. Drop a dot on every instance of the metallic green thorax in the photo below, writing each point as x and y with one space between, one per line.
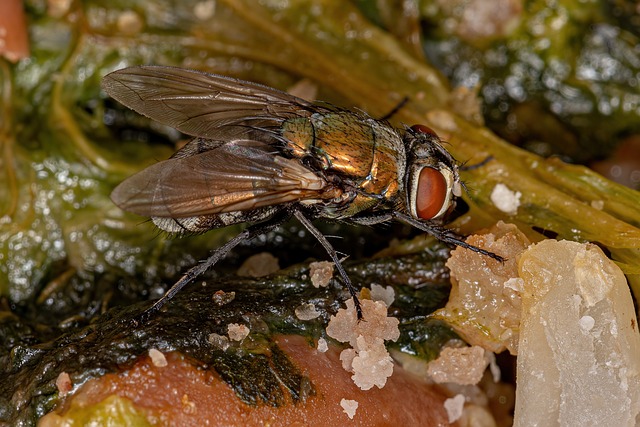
365 156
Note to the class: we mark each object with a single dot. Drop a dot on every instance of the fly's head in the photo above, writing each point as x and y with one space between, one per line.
432 180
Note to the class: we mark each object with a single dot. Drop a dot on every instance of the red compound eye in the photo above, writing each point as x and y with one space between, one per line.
431 193
424 129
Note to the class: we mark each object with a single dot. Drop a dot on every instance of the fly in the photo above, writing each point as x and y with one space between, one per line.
261 156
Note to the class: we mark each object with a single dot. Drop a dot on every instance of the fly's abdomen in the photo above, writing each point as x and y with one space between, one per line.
203 223
366 152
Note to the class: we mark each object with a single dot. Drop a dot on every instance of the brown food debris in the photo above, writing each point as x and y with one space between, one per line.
58 8
204 9
64 384
188 406
130 23
14 37
259 265
321 273
222 298
183 394
479 21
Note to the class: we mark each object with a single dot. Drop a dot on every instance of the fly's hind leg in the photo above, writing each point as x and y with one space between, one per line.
334 257
197 270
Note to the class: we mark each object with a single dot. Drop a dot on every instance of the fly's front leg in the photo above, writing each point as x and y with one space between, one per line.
478 165
334 257
197 270
395 109
444 235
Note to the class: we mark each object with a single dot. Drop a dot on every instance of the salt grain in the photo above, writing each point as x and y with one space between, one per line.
58 8
586 323
129 22
237 332
454 407
219 341
565 374
349 407
346 357
368 358
306 312
204 10
380 293
463 365
483 307
493 367
515 283
320 273
157 358
505 199
372 365
322 346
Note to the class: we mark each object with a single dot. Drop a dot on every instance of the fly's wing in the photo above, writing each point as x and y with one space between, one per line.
198 103
238 176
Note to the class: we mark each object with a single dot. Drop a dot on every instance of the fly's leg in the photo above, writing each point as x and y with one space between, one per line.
444 235
334 257
478 165
395 109
197 270
465 167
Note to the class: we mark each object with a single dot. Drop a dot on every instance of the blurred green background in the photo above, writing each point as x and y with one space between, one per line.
560 80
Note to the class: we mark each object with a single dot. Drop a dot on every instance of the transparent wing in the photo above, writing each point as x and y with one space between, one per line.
238 176
198 103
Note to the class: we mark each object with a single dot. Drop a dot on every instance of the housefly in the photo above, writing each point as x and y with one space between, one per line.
261 156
